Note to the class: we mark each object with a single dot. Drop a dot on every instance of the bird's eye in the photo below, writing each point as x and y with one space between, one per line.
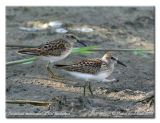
72 36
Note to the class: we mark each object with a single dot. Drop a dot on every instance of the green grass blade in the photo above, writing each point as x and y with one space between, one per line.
140 52
23 61
84 50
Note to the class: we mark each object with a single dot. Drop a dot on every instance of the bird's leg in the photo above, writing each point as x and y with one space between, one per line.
87 84
90 89
50 73
84 90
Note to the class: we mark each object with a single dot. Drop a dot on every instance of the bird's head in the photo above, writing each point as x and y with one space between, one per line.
108 57
73 38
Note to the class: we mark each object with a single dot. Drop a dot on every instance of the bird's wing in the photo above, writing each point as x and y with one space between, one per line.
54 48
30 51
90 66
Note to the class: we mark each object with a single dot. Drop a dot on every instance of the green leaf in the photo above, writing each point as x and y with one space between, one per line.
22 61
140 52
30 62
84 50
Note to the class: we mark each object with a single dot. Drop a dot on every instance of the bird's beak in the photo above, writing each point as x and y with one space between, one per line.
80 42
119 62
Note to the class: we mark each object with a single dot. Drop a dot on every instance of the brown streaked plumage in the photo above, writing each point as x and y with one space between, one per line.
91 66
97 69
54 50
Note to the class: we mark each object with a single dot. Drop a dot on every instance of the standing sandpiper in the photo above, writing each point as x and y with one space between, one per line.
92 69
53 51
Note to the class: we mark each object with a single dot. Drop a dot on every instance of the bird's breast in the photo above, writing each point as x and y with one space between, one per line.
52 58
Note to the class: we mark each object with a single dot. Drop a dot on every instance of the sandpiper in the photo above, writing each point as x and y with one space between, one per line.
92 69
53 51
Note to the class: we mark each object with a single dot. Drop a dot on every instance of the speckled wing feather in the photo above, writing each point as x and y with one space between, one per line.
91 66
53 48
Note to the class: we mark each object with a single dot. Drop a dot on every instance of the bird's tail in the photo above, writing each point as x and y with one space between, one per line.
30 51
59 65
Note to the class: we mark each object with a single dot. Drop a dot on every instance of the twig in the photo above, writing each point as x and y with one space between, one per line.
149 96
19 46
99 49
21 61
36 103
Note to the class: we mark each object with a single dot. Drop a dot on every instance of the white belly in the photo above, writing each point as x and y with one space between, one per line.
99 76
82 75
55 58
